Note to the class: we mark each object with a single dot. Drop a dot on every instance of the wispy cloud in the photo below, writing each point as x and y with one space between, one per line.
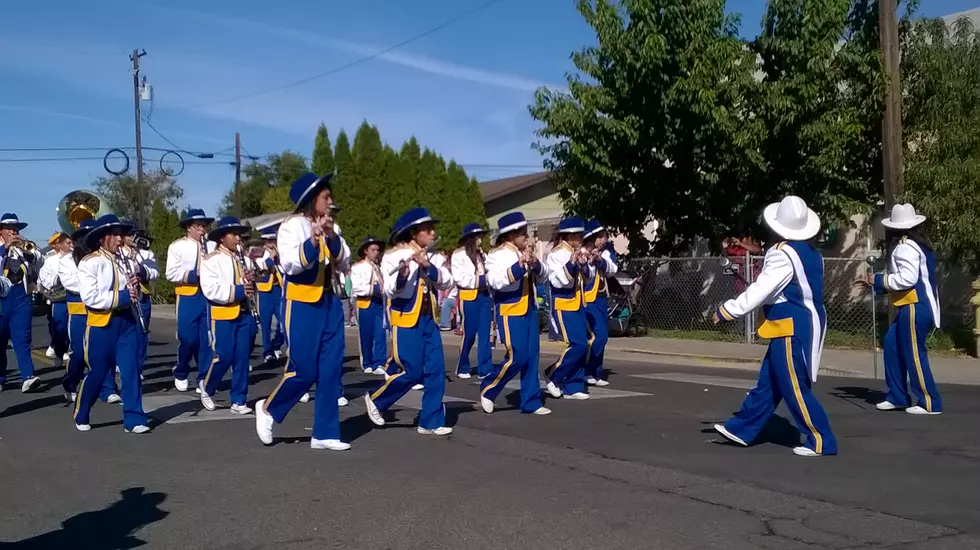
418 62
58 114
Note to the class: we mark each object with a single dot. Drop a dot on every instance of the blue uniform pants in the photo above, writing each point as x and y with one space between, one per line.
418 351
371 334
230 350
784 375
75 369
907 360
315 347
596 313
193 340
476 328
15 328
58 327
116 344
522 344
568 373
270 305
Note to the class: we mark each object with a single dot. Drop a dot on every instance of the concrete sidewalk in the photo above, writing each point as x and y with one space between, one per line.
835 362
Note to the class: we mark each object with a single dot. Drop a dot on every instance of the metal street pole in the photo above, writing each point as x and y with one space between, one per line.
141 210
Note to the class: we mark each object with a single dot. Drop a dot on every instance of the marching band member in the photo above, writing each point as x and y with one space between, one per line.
310 250
512 269
68 275
136 250
469 271
412 276
566 263
58 313
912 284
113 337
367 288
602 265
184 258
227 289
20 268
269 286
790 291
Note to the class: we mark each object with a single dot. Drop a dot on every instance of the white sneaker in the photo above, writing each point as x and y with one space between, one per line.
329 444
601 382
66 357
804 451
464 376
113 398
553 390
241 409
208 402
417 387
305 398
720 428
591 381
368 370
379 371
342 401
921 411
70 397
141 429
30 384
373 413
578 396
200 387
541 411
181 385
885 406
263 423
487 405
250 368
441 430
83 427
278 354
49 353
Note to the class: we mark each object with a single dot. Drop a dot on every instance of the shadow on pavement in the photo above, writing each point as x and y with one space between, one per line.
109 528
869 396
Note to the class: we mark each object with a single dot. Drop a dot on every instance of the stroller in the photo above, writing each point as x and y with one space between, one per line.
623 290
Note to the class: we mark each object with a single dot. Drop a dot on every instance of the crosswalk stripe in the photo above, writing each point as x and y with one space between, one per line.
739 383
184 409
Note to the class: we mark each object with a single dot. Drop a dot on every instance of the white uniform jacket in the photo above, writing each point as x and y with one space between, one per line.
396 286
298 254
467 275
183 257
101 284
561 274
363 276
221 278
68 273
501 262
48 276
776 274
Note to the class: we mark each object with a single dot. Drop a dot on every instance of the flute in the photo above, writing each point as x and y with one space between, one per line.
428 250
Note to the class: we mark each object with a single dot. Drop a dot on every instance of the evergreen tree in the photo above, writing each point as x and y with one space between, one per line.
400 183
163 228
361 187
342 153
323 162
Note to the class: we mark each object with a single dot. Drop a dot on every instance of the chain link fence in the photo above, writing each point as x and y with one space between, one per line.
676 297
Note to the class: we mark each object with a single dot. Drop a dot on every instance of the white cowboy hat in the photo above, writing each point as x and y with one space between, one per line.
903 217
791 219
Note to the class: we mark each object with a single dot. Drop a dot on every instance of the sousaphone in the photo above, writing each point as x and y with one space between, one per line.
78 206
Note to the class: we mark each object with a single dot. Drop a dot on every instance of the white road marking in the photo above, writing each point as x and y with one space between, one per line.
739 383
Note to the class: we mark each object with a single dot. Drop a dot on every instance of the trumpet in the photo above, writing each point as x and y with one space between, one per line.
249 271
126 267
24 247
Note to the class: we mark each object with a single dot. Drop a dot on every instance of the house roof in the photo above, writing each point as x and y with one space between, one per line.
266 220
973 15
495 189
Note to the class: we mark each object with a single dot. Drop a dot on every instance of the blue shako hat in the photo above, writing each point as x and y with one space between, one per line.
225 225
102 226
270 232
511 222
11 219
571 225
415 216
83 229
471 229
306 187
195 215
592 228
368 241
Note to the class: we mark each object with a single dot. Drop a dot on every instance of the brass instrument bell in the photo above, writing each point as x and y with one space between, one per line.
78 206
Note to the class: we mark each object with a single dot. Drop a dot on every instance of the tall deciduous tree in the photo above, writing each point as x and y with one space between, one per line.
249 195
121 192
278 173
656 125
322 152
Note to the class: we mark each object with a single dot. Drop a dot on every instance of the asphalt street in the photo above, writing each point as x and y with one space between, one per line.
637 466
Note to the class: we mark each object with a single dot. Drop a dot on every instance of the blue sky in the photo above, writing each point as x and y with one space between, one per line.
463 90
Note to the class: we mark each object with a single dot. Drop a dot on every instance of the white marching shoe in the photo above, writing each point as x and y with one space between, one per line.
241 409
329 444
141 429
886 406
49 353
542 411
30 384
305 398
263 423
373 413
720 428
917 410
208 402
417 387
441 430
181 385
342 401
578 396
553 389
487 405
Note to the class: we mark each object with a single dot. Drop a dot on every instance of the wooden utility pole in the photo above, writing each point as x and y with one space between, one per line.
238 175
891 127
135 58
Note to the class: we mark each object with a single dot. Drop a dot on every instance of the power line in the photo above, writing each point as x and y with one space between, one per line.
124 148
79 159
178 148
356 62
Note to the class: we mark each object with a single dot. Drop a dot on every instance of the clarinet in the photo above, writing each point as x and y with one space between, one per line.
134 302
248 272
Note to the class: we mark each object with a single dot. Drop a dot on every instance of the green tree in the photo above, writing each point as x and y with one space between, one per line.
246 202
656 126
432 185
399 186
122 193
277 174
941 68
342 153
361 187
163 228
322 152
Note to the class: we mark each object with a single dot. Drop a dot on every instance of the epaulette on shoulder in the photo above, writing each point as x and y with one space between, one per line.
91 255
215 252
